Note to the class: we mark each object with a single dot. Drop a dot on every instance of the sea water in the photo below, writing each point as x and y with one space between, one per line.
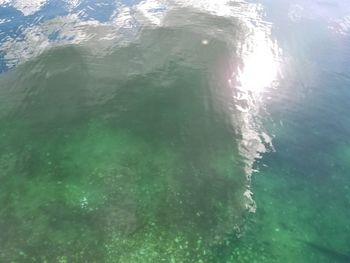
174 131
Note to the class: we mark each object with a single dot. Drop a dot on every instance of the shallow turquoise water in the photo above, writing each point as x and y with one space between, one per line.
197 131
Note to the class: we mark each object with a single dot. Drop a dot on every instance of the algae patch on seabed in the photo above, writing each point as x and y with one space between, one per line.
128 157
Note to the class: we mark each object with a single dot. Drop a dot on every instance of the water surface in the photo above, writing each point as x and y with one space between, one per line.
174 131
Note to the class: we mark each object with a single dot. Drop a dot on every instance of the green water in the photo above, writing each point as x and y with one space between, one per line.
135 152
102 161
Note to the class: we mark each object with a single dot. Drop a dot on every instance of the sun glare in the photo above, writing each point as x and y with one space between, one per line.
259 64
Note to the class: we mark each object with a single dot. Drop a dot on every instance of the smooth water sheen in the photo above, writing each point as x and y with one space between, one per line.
174 131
